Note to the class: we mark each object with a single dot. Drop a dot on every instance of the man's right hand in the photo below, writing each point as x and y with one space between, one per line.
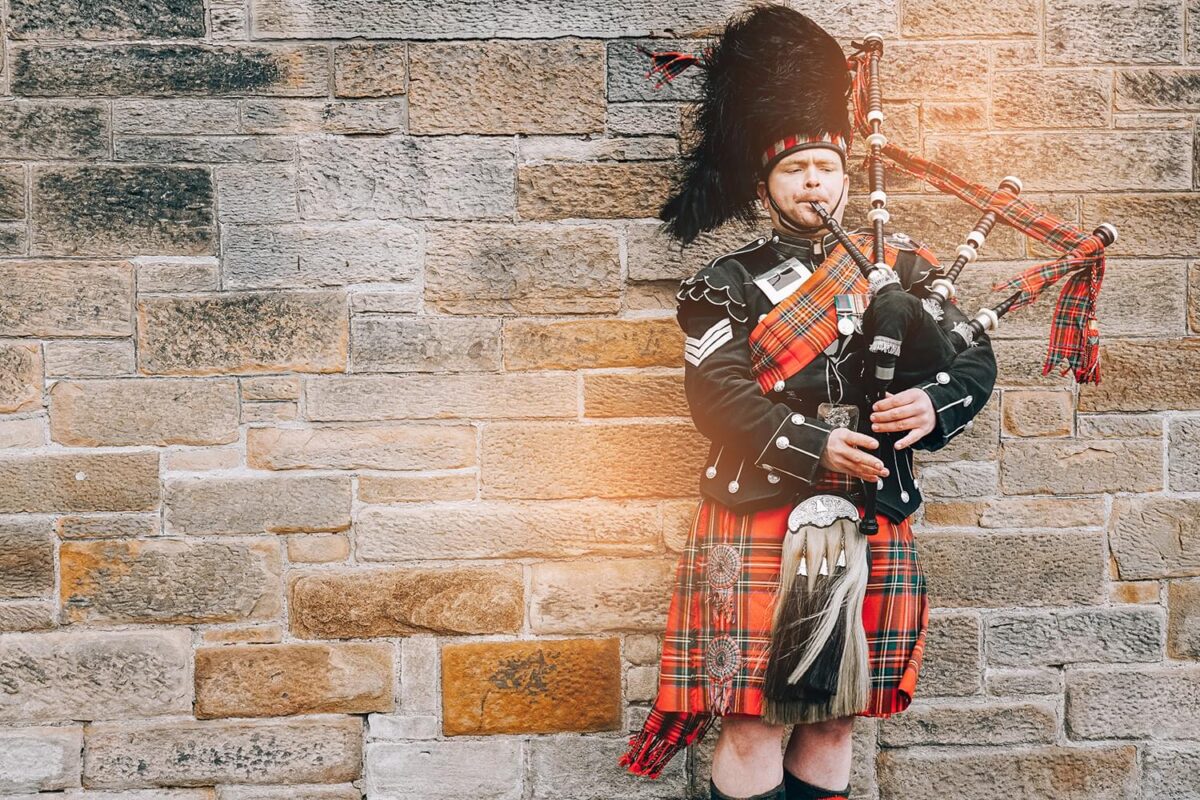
843 454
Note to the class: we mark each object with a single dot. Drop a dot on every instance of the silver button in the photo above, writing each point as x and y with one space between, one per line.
733 487
970 424
772 477
915 484
904 497
942 377
967 400
779 386
761 317
774 238
710 473
760 241
782 442
797 419
879 483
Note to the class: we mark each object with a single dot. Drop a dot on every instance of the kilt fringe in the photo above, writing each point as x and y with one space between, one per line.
664 734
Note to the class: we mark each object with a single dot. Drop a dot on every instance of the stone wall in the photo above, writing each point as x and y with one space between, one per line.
342 443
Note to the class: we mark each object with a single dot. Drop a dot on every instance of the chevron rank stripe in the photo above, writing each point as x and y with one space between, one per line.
696 350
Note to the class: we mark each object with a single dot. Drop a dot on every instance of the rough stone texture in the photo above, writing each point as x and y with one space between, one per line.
470 87
26 557
1113 32
1183 448
970 723
654 256
1062 637
317 749
40 759
42 298
1134 365
952 663
531 687
523 269
365 447
242 332
634 394
387 343
933 18
284 679
444 770
373 602
1183 623
613 595
1066 773
576 344
996 570
1081 467
555 460
106 19
592 191
91 675
1155 537
1171 772
51 131
20 377
553 529
416 396
1150 702
170 69
412 488
122 210
98 413
575 767
56 482
1037 413
274 504
170 581
370 69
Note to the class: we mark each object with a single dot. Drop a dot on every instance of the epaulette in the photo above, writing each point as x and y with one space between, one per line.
716 286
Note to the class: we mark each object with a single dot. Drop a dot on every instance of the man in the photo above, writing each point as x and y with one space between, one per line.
774 134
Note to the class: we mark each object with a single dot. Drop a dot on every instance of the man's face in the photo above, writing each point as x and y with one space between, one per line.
815 173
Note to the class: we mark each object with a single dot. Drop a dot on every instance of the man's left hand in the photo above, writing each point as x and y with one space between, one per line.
910 410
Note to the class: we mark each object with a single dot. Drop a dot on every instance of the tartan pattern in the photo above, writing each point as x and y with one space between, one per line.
835 140
1074 329
701 676
668 64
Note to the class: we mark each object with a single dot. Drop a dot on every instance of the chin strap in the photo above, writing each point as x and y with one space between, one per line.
791 223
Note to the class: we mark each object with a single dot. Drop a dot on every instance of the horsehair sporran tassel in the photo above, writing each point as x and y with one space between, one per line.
817 627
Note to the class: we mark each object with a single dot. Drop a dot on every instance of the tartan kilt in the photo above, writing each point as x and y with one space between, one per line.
719 621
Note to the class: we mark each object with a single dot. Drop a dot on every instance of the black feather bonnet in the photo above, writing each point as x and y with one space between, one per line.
774 82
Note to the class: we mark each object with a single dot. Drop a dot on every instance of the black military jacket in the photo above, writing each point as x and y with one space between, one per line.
766 448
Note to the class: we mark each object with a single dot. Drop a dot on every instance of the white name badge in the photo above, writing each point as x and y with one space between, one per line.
783 279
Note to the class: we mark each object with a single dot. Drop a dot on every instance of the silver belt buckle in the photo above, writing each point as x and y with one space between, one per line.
839 415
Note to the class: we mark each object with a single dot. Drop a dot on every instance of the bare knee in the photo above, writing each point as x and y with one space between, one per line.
836 729
746 734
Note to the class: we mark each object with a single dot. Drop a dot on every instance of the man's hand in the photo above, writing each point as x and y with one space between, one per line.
911 411
842 454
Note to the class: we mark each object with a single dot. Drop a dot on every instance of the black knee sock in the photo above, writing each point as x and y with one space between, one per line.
803 790
778 793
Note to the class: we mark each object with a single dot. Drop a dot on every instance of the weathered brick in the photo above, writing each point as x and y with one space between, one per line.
257 193
464 177
555 460
531 687
1183 451
634 394
225 332
1077 161
50 483
318 548
962 723
404 299
1081 467
1020 362
933 18
420 675
361 447
507 87
175 116
1070 773
577 767
400 602
1114 31
1183 624
291 791
1131 366
1159 702
28 615
642 119
1155 537
189 581
97 210
1111 635
402 727
590 343
488 767
41 130
515 530
40 298
267 633
1035 568
592 191
290 115
967 115
959 479
1171 771
370 69
413 488
386 343
952 664
89 359
89 675
318 749
26 557
1045 98
12 191
522 269
416 396
20 377
612 595
1037 413
922 70
274 504
106 526
295 678
170 69
294 256
1033 680
1119 426
1156 225
40 759
206 149
158 411
1146 592
540 149
106 19
177 273
652 255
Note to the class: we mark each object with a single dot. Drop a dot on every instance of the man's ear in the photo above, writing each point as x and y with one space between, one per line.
761 189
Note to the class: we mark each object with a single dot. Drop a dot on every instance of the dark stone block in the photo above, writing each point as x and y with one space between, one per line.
105 19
